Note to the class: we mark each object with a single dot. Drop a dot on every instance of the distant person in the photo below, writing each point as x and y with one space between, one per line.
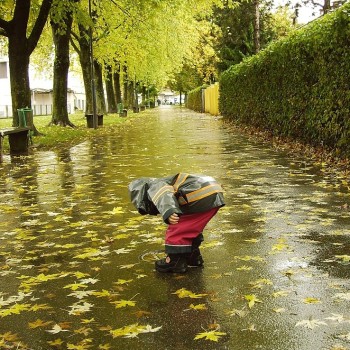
186 203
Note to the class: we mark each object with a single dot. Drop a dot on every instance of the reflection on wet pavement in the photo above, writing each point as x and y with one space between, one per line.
77 260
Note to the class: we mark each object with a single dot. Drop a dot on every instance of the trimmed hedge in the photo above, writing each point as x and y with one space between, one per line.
298 87
194 99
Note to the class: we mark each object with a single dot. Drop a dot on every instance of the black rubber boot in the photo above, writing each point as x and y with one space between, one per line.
195 259
172 263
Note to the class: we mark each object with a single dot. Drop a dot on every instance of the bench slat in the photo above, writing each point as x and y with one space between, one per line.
12 130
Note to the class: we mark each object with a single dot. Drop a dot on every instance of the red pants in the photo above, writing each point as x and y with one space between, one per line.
179 237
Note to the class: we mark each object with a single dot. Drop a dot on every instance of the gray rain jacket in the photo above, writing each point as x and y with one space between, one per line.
181 193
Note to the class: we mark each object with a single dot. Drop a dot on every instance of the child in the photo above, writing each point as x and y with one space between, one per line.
187 203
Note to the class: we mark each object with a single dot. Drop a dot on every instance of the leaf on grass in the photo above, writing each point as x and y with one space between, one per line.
210 335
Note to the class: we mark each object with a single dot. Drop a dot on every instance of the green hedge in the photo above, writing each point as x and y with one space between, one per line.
194 99
298 87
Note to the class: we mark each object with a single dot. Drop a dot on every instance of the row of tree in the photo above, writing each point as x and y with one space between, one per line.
136 45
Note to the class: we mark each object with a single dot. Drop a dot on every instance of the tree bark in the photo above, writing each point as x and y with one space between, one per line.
20 47
256 26
111 97
84 58
116 83
100 96
61 38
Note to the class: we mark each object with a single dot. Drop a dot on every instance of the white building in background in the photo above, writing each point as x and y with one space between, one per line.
168 97
41 91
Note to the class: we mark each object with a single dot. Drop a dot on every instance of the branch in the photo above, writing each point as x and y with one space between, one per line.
39 25
4 27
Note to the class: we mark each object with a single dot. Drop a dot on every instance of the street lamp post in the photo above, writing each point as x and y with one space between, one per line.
92 70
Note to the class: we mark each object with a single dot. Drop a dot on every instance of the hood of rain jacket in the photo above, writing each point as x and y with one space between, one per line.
181 193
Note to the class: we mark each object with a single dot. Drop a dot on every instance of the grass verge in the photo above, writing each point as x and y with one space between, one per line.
54 136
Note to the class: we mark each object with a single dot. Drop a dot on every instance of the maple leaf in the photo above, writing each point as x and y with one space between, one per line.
123 303
103 293
279 310
184 293
345 296
281 293
338 318
75 286
56 329
37 307
132 331
210 335
123 251
244 268
81 294
251 328
141 313
311 300
235 312
9 337
121 281
77 309
38 323
129 266
15 309
311 323
344 258
197 307
56 343
104 346
89 280
117 210
252 299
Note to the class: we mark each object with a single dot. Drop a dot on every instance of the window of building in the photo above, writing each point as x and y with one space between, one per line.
3 70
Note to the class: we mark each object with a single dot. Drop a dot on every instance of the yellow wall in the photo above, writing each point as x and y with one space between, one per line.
211 104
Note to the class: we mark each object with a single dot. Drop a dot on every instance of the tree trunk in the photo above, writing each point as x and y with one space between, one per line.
131 94
100 96
111 97
117 88
326 6
84 58
256 26
61 67
20 46
144 94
